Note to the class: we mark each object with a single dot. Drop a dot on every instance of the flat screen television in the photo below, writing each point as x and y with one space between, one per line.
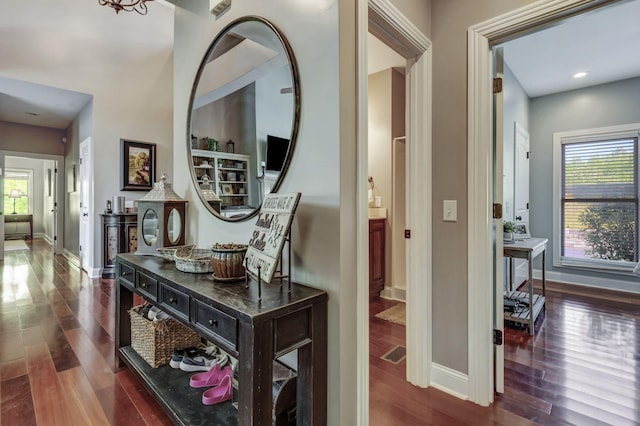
276 152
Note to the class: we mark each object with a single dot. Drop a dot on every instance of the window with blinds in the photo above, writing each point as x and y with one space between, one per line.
599 200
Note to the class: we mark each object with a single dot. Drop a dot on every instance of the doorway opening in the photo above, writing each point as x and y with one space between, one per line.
32 194
480 185
391 27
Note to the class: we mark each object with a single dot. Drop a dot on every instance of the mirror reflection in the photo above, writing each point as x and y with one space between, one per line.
150 227
243 118
174 226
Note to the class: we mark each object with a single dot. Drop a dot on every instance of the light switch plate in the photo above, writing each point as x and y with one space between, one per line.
450 210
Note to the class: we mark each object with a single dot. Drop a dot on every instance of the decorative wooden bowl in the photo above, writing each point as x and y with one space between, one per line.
226 261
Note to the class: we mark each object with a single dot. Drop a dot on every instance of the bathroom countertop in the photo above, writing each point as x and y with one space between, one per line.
377 213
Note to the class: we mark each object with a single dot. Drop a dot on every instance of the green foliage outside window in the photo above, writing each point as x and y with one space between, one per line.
610 232
595 173
22 203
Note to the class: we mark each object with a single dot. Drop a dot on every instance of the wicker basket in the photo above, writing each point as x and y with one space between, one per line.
156 341
198 261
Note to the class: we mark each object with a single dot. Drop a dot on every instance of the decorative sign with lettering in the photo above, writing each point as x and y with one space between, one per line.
267 240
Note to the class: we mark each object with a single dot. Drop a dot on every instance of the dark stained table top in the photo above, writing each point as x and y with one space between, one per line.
232 297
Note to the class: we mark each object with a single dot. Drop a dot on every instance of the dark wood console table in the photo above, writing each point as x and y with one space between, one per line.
230 315
17 218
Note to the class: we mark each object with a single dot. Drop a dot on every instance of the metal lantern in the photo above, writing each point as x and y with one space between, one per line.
161 218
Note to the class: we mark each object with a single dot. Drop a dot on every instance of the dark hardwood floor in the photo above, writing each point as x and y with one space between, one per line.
57 349
56 359
581 368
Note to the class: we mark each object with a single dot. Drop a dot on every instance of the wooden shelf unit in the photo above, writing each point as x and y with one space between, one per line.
230 175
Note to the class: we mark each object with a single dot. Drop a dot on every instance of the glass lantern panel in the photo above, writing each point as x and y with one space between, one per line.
150 227
174 226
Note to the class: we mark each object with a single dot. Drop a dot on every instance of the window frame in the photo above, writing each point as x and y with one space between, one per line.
626 131
12 173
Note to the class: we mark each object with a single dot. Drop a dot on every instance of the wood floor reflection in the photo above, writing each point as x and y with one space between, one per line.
56 348
56 358
580 368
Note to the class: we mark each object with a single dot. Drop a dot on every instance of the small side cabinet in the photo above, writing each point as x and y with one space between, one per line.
376 256
119 235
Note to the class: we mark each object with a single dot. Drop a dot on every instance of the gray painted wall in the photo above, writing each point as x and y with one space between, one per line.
516 109
598 106
449 24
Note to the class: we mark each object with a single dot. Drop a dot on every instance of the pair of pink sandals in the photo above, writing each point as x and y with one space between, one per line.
221 380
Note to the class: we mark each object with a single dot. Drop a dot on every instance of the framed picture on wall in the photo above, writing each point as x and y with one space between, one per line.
137 165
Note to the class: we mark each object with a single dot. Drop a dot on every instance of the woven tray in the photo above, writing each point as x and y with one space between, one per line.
156 341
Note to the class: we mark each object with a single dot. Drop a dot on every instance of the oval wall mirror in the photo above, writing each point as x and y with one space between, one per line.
243 118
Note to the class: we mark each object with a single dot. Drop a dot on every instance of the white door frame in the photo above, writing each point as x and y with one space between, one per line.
480 181
417 46
86 185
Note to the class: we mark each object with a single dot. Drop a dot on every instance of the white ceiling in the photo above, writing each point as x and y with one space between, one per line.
605 43
38 32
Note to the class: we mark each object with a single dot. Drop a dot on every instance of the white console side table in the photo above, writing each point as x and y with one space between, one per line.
527 249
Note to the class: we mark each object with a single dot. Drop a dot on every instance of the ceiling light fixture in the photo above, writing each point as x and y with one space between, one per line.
139 6
579 74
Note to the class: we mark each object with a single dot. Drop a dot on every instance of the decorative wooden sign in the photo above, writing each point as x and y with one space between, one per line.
271 230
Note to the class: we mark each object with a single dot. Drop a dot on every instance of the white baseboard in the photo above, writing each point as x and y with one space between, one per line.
394 293
47 239
72 258
75 261
450 381
94 272
589 281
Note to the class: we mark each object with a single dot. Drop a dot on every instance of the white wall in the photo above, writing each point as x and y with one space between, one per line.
315 170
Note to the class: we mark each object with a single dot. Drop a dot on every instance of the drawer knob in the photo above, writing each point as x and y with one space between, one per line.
213 323
144 285
124 274
173 300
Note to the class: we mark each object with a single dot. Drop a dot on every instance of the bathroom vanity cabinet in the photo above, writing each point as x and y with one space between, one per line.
255 331
376 256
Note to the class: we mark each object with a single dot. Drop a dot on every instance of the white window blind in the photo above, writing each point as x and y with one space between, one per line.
599 200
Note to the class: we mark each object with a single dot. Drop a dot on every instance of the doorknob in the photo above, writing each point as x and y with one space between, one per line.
518 217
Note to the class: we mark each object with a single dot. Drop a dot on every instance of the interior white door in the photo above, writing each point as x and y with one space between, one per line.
521 194
86 242
521 184
1 205
498 256
399 213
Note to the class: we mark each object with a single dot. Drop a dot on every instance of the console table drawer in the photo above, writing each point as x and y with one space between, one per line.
175 301
126 275
217 323
148 286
